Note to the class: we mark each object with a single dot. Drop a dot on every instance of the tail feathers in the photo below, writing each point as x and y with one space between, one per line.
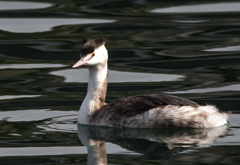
216 118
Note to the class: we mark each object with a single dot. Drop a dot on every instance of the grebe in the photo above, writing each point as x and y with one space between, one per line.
142 111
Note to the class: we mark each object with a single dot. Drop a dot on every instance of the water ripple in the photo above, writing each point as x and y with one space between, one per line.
31 25
15 5
214 7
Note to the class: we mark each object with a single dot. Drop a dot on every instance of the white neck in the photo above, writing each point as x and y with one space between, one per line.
96 93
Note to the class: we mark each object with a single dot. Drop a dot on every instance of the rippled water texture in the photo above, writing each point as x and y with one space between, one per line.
186 48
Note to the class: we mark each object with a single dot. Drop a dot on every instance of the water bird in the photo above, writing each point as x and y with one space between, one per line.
140 111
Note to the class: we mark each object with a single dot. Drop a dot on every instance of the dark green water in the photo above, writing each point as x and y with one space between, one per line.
186 48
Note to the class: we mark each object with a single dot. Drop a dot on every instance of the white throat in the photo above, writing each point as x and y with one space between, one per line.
96 92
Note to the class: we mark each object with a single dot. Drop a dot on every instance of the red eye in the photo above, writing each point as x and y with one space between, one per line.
93 55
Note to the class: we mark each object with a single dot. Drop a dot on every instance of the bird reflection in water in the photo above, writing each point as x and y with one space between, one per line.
148 142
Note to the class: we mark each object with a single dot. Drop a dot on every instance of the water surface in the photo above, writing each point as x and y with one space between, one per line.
188 48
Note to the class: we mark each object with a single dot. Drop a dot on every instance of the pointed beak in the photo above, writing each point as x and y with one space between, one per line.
82 61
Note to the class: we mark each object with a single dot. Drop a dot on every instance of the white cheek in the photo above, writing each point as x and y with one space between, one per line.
92 61
97 59
100 57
